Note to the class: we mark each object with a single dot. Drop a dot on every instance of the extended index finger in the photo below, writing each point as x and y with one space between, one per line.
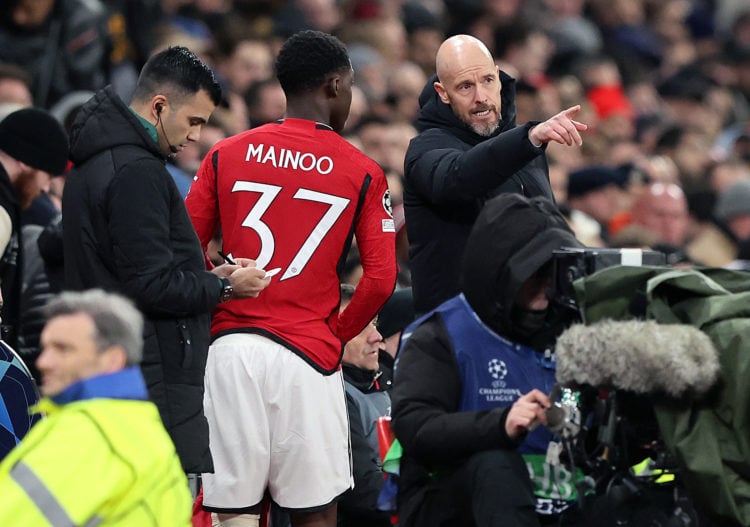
570 112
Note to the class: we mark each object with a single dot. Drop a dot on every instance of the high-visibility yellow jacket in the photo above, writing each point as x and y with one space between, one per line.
96 461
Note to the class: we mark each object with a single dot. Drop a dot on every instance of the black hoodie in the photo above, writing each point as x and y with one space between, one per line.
512 238
449 172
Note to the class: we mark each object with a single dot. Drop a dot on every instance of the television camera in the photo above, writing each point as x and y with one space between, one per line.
602 407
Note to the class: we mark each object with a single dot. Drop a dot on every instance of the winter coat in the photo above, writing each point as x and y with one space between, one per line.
449 173
126 229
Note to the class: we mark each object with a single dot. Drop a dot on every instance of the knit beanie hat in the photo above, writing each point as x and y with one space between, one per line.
594 177
32 136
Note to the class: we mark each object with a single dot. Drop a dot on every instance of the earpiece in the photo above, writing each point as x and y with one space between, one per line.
159 107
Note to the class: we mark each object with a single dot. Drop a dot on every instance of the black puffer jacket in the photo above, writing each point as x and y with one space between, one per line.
449 173
45 281
11 262
125 229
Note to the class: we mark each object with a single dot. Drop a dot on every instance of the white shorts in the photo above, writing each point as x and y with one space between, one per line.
276 423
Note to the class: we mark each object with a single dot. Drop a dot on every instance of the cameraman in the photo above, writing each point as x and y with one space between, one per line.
471 379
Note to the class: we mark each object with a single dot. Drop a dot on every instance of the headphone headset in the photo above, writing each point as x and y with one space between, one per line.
159 107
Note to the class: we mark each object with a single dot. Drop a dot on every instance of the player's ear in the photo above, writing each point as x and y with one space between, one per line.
332 86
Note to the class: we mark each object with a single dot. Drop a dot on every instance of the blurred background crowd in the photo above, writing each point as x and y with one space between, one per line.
664 87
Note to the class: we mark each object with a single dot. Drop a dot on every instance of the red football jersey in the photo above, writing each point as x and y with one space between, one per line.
290 195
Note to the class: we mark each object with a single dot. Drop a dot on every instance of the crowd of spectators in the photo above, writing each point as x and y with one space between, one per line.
664 85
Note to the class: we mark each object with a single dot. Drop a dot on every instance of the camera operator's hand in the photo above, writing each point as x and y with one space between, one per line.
526 412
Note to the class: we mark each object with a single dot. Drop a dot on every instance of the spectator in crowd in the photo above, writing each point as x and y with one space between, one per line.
662 208
468 150
370 69
572 33
733 209
726 173
690 149
373 136
47 207
101 431
424 35
360 109
125 229
15 88
270 354
366 401
405 83
192 154
523 51
712 243
33 147
472 377
132 28
245 62
595 191
398 137
61 43
602 83
265 102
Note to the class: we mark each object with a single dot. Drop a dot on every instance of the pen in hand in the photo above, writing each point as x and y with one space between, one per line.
226 258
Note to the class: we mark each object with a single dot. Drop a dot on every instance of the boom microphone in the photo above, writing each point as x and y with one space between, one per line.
639 356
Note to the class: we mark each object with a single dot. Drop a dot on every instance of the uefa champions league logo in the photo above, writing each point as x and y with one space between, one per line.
497 369
387 203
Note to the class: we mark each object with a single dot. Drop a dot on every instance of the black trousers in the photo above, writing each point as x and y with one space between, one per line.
492 489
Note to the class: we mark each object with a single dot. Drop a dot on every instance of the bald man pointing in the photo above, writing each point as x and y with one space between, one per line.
468 150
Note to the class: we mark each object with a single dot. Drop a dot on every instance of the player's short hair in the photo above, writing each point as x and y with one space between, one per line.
178 71
306 58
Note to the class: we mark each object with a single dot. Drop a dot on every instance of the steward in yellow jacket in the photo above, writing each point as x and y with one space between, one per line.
101 457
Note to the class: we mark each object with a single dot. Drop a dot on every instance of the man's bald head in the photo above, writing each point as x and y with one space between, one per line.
458 52
469 81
